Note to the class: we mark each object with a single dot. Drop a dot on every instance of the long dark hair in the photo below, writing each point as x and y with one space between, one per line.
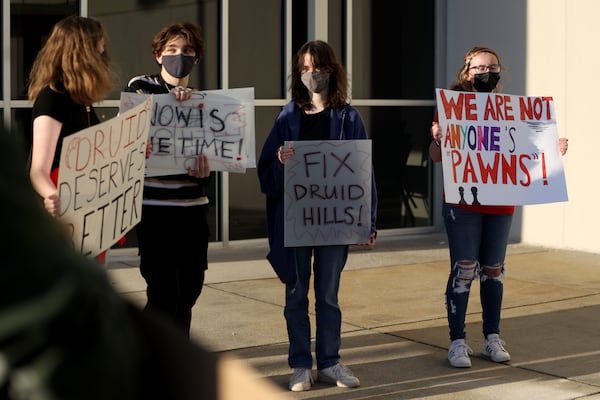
324 59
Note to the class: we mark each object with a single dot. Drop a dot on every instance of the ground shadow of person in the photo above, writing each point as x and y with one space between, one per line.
65 333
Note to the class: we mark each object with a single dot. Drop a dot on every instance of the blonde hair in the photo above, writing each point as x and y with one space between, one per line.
461 82
71 61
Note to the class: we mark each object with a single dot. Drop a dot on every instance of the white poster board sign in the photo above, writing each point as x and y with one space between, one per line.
499 149
328 193
101 179
217 123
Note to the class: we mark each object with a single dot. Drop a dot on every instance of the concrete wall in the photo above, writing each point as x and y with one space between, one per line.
550 47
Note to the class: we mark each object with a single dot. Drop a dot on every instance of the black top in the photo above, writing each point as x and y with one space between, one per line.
315 126
74 117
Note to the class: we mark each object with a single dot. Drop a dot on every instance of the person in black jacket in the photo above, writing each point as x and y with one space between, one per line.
173 233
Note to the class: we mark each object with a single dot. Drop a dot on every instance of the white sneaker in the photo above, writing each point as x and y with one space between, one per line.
301 380
493 348
458 354
340 375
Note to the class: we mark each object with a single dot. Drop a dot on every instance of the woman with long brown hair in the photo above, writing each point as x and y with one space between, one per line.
70 72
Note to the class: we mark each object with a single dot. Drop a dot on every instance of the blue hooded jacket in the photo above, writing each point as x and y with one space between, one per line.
346 124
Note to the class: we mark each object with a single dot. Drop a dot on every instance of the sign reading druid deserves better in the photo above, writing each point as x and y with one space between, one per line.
217 123
101 179
328 193
499 149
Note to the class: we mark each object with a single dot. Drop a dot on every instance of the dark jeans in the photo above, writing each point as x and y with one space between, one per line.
173 245
328 264
477 244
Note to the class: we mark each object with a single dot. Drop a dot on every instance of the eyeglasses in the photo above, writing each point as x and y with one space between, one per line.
485 68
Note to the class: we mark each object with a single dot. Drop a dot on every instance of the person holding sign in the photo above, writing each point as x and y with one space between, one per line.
70 72
477 234
173 232
318 111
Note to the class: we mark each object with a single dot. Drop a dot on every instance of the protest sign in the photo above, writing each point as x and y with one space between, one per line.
499 149
328 193
101 179
217 123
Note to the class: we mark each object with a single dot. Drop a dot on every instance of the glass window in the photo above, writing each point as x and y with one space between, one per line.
30 25
131 50
256 49
256 59
392 49
402 165
247 212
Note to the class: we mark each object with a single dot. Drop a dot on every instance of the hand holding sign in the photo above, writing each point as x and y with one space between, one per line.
201 167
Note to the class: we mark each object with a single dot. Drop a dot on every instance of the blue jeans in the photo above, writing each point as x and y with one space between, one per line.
328 264
477 244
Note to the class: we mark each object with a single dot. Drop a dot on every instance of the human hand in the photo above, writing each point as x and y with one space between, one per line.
436 131
52 204
201 167
371 243
182 93
284 153
148 149
563 145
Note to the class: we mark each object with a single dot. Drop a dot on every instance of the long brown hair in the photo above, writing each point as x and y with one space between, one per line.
71 61
324 59
461 81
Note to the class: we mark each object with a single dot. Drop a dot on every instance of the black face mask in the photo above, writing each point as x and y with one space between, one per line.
486 82
178 66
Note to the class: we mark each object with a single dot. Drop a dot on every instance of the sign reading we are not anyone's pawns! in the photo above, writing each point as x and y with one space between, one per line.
216 123
328 193
101 179
499 149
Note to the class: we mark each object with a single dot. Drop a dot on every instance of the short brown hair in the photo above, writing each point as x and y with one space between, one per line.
191 32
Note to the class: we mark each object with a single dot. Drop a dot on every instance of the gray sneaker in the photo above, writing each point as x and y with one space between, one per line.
458 354
340 375
493 348
301 380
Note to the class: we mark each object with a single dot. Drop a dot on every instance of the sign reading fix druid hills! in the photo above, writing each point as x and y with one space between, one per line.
499 149
328 193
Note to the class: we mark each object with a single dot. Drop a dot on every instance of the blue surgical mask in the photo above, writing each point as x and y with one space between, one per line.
178 66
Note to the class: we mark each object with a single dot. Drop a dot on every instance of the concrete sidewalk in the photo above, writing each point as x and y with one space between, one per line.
394 331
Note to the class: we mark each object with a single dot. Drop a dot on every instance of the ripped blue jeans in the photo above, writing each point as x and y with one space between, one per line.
477 245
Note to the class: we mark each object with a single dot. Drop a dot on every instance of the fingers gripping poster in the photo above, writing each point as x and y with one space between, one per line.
101 177
499 149
328 193
216 123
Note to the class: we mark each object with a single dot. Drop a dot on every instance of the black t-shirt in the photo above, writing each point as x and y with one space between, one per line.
315 126
74 117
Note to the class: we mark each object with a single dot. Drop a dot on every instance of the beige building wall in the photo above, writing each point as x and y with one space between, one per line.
550 48
563 54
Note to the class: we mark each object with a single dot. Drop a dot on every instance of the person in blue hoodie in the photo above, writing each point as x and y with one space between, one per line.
319 110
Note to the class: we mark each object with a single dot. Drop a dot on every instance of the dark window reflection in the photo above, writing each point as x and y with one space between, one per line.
402 166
